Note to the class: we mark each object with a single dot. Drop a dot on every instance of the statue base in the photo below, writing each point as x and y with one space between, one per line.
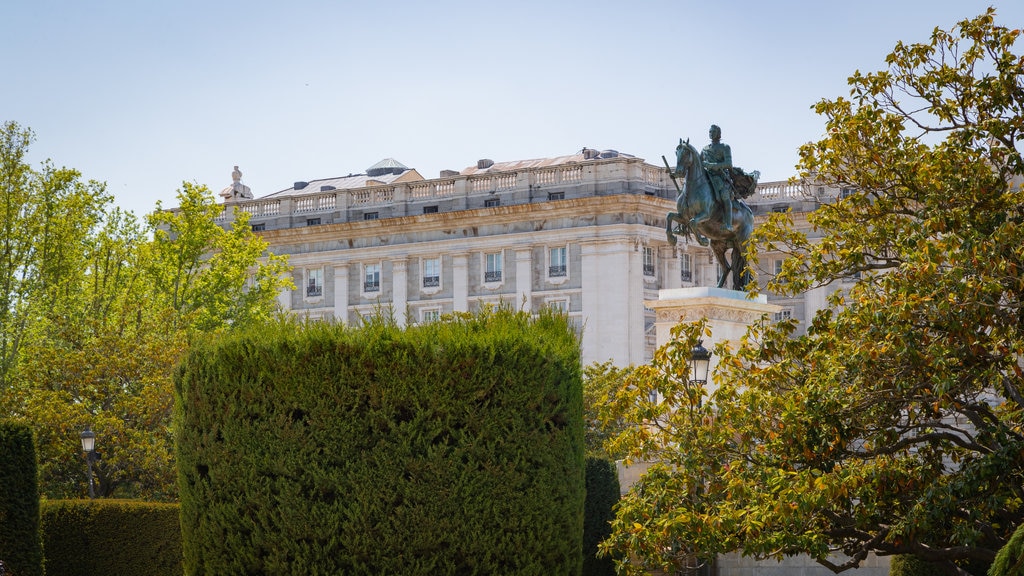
729 312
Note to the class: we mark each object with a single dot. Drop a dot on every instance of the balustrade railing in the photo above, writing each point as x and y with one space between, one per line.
549 176
779 191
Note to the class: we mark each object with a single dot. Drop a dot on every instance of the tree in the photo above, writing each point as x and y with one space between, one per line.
98 310
600 381
45 217
894 424
211 277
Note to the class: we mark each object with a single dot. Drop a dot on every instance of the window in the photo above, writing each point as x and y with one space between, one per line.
777 266
648 261
557 262
371 278
492 202
312 221
845 192
556 195
784 314
430 209
431 272
428 315
559 305
259 227
686 268
492 267
371 215
314 282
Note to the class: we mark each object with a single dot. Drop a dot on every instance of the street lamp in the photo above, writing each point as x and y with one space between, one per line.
89 447
700 362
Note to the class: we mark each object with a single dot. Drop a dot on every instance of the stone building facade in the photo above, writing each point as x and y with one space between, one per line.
584 233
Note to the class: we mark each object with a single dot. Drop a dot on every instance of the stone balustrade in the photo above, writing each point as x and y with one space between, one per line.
570 180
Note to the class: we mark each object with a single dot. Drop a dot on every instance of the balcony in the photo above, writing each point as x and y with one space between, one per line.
557 271
313 291
492 276
373 286
431 281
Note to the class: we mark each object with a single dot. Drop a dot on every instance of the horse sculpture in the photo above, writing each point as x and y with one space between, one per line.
698 214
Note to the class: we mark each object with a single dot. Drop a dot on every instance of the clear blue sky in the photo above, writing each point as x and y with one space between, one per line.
146 95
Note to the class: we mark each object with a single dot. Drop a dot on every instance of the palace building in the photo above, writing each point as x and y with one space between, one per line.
584 233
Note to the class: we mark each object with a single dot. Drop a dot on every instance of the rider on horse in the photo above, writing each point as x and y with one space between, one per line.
717 160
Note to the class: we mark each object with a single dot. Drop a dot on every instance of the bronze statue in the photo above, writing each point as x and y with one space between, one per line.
713 212
717 160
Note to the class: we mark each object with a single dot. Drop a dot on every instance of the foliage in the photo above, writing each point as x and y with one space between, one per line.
21 550
100 307
45 216
600 382
602 481
111 538
893 424
1010 559
207 275
910 565
454 447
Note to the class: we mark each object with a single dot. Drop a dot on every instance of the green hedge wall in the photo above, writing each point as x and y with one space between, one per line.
21 548
602 479
1010 559
111 538
450 448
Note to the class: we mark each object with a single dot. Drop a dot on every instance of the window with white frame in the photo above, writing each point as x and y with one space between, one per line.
428 315
371 277
648 261
558 304
784 314
557 262
777 266
431 272
492 267
314 282
686 268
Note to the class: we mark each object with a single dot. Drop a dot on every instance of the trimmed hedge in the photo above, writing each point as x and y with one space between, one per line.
21 545
111 538
602 479
450 448
1010 559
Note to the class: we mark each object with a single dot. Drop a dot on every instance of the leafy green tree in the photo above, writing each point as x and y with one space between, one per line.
46 215
600 382
100 308
894 424
211 277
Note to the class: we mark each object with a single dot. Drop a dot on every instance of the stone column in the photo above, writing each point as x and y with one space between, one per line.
612 294
524 279
341 293
670 257
400 289
460 282
284 297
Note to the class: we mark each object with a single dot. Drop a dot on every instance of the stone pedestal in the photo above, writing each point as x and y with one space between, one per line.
729 312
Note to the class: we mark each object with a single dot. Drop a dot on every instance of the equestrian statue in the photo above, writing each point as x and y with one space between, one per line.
710 204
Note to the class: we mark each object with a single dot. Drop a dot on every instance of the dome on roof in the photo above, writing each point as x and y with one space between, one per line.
386 166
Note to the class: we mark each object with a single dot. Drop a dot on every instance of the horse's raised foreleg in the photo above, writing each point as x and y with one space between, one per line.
672 217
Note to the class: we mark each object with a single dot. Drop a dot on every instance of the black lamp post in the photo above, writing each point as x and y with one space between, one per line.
700 362
89 447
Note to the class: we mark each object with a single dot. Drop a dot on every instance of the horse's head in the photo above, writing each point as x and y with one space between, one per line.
685 153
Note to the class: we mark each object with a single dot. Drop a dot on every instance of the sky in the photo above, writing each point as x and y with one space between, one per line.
147 95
